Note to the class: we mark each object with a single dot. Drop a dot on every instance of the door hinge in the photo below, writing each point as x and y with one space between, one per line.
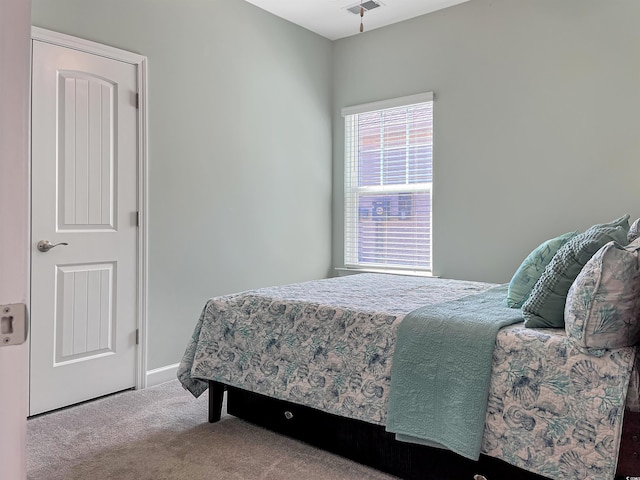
137 100
137 336
137 219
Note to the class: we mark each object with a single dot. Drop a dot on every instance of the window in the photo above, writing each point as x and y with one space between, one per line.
388 177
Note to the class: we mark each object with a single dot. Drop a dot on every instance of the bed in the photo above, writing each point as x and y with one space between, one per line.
314 360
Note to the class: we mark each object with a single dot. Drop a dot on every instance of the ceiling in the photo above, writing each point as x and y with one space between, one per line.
331 19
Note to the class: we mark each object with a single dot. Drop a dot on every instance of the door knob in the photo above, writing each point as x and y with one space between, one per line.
46 245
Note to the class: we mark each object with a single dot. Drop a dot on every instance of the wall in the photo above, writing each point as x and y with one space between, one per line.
239 148
536 120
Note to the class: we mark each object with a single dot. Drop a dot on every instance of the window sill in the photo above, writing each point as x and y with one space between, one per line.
343 271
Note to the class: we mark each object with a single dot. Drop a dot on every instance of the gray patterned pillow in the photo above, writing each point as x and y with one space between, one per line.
634 231
545 305
603 304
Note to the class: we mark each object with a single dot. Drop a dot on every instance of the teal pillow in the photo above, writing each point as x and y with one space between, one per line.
531 269
545 305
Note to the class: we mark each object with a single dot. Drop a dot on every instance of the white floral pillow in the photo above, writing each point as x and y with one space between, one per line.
603 303
634 231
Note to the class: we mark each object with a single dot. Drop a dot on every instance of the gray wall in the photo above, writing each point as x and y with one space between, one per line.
536 120
239 148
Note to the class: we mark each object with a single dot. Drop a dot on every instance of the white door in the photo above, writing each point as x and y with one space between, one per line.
84 200
15 24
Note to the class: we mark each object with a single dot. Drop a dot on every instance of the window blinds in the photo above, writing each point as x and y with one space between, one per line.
388 180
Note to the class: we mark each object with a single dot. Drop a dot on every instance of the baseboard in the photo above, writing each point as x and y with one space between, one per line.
162 374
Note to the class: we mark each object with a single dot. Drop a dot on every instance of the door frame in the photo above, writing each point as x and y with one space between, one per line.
140 62
15 24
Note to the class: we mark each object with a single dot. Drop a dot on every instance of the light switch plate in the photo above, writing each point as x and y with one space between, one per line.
13 324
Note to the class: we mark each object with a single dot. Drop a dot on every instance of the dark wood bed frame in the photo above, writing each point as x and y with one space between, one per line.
371 445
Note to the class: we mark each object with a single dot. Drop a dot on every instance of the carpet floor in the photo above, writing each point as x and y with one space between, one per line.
162 433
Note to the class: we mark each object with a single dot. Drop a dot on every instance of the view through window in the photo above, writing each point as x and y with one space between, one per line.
388 180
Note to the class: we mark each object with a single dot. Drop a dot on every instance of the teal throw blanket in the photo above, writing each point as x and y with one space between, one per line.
442 368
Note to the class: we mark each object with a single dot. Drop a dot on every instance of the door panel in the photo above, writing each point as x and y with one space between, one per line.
84 199
84 321
86 193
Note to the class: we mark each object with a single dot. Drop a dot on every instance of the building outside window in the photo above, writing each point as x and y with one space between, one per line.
388 183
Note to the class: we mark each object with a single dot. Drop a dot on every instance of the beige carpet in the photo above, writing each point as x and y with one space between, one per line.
162 433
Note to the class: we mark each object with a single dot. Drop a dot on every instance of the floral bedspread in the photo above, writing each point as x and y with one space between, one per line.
555 409
328 344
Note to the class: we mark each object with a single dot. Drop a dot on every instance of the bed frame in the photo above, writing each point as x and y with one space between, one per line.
371 445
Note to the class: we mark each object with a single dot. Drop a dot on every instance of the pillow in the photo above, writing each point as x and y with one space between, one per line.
603 304
545 305
634 231
531 268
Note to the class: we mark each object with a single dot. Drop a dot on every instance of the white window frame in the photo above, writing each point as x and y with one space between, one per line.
351 261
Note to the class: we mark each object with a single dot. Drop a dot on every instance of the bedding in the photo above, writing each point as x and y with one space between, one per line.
545 305
553 408
603 304
442 368
634 231
328 344
532 267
